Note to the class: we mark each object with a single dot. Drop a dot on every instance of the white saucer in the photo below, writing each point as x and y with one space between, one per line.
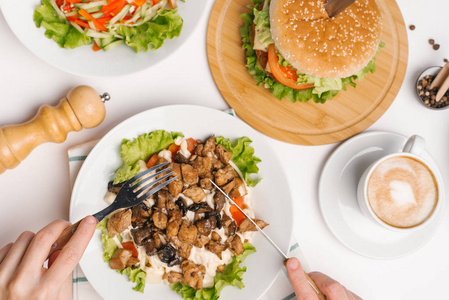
338 198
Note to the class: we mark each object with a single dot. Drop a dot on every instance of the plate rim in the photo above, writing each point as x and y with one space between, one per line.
260 137
334 154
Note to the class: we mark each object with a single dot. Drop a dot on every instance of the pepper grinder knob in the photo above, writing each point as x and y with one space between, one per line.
82 108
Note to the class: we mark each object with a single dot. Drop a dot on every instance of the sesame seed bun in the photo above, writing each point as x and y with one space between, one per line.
317 45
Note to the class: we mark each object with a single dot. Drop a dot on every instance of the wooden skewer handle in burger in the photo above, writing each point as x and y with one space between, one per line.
82 107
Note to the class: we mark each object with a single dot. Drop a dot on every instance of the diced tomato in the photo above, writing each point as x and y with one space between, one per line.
130 246
59 2
237 215
191 144
173 149
140 2
155 2
95 47
153 160
74 1
282 74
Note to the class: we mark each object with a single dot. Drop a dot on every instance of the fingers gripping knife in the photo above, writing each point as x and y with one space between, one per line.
82 108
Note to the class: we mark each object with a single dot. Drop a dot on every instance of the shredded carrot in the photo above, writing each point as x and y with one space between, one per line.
89 17
79 22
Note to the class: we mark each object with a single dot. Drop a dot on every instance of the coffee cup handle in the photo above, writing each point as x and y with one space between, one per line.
414 145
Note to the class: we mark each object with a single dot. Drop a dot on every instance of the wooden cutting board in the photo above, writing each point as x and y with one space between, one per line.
347 114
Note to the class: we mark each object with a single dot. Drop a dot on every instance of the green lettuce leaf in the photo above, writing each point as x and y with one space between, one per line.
142 148
262 26
45 12
325 88
65 35
109 245
232 275
136 275
243 157
167 24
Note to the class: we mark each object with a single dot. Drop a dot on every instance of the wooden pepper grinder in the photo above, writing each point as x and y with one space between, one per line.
82 107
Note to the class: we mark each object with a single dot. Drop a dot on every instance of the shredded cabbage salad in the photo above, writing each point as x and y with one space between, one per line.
140 24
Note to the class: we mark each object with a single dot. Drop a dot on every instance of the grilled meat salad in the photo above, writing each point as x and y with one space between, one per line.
187 232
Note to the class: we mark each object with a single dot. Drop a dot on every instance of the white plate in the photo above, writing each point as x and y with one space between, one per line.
83 60
271 198
338 198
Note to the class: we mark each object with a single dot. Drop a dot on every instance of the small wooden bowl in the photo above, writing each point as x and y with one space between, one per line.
429 71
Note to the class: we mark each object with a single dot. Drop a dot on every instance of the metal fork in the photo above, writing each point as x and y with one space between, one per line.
133 192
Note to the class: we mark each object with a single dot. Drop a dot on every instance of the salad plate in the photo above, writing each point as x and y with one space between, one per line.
341 211
103 161
83 60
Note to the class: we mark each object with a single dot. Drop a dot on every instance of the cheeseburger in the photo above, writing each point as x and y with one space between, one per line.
294 49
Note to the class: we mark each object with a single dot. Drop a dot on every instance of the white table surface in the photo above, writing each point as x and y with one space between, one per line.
38 191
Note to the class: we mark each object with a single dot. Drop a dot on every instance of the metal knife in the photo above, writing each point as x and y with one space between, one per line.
320 295
334 7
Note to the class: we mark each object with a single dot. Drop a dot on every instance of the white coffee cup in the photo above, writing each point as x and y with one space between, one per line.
396 191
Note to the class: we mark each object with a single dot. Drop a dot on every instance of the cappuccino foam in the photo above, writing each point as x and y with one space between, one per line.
402 191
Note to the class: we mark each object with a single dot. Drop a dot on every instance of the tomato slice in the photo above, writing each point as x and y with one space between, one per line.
282 74
130 246
174 149
152 161
237 215
191 144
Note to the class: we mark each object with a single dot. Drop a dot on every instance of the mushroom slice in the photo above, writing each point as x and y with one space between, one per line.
140 235
167 254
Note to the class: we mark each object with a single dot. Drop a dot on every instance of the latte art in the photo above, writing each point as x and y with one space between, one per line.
402 191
